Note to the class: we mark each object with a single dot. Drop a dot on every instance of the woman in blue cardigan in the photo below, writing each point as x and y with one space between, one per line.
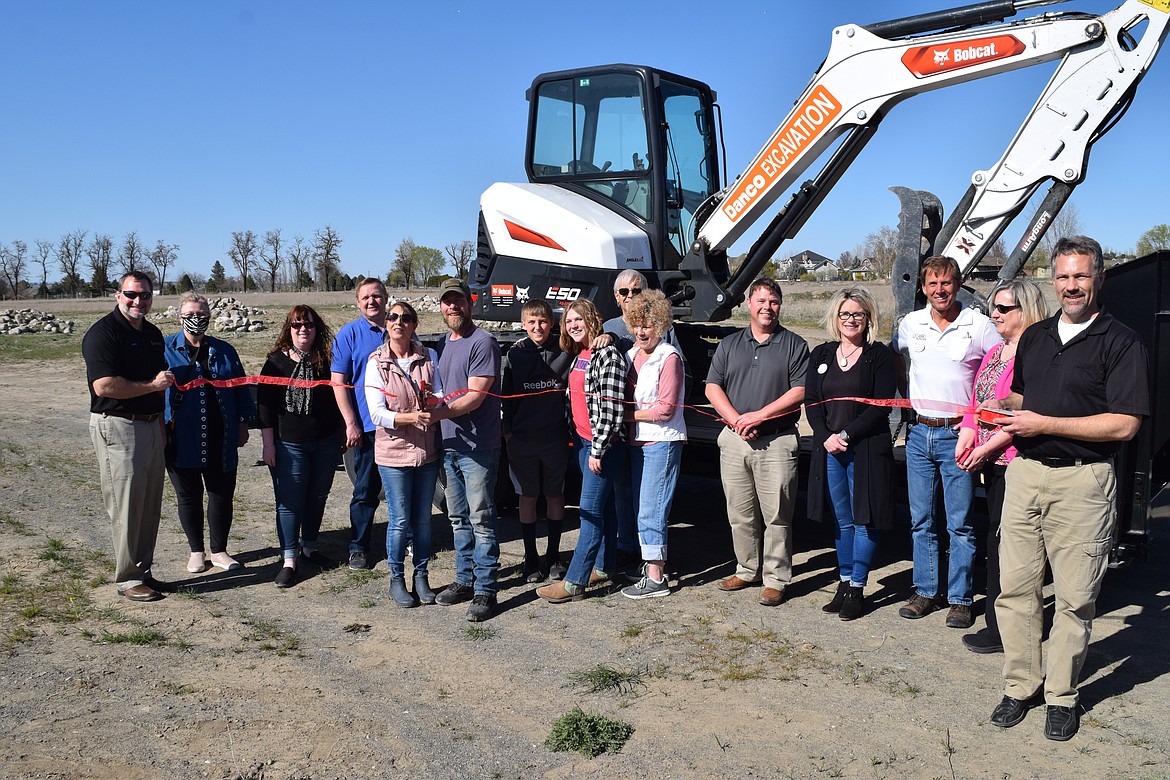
205 427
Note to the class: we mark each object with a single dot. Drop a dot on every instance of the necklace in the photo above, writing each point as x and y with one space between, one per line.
844 360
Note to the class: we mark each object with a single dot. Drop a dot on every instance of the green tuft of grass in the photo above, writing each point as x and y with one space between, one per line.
605 678
135 636
479 633
588 733
631 631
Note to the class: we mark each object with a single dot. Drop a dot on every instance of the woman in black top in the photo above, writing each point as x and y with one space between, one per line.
301 426
852 454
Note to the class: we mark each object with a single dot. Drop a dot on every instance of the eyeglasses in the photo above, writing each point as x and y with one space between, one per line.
858 316
1004 308
145 295
305 325
407 319
626 292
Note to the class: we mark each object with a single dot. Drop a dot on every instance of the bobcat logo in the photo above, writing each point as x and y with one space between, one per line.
522 294
941 56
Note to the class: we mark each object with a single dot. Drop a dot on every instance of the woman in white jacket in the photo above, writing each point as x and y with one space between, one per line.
657 434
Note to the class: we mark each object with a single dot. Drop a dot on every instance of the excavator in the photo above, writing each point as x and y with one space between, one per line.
623 163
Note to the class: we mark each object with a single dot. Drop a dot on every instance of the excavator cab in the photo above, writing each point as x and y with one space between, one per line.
619 158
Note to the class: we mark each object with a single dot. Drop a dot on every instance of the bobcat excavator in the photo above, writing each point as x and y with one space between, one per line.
623 170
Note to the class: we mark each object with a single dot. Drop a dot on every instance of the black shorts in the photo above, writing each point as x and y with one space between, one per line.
537 465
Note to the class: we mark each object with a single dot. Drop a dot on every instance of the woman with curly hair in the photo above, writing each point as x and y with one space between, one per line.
597 385
301 426
657 434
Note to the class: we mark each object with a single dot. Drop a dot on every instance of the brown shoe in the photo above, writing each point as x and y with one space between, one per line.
557 593
960 616
920 606
734 583
141 592
771 597
597 577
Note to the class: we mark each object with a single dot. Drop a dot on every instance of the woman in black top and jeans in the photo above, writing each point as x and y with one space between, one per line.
301 427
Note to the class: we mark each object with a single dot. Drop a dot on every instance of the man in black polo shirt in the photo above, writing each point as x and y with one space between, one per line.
1081 387
756 383
127 374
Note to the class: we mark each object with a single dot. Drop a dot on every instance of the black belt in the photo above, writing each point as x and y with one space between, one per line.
135 417
939 422
1063 463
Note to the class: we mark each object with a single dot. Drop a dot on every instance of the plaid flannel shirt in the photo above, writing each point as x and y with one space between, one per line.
605 391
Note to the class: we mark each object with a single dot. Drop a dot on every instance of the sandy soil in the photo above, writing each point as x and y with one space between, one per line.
331 680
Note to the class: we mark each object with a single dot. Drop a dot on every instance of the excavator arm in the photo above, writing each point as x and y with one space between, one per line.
870 69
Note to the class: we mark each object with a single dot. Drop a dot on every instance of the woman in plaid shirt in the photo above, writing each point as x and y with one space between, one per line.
597 392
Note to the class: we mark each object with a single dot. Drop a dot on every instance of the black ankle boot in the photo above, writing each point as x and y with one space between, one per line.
838 597
853 605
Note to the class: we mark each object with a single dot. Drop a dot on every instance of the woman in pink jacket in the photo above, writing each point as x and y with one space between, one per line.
400 377
1015 305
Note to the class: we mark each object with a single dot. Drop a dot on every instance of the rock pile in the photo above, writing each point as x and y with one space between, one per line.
228 315
15 322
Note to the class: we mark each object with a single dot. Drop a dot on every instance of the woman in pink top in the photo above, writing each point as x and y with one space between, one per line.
1015 305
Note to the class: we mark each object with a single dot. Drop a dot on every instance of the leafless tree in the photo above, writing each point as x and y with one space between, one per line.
12 262
69 250
461 254
1066 223
131 254
162 257
42 256
270 256
243 253
881 247
300 257
100 254
404 260
326 257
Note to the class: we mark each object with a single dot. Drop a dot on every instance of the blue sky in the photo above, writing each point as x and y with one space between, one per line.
186 121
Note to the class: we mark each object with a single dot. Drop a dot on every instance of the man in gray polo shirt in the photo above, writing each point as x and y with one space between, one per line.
756 384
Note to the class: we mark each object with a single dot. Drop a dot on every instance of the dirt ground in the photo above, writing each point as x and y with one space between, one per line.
234 678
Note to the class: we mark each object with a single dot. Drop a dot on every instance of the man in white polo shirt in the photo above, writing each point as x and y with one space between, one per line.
945 343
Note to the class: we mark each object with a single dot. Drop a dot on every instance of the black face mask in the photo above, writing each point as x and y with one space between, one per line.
195 324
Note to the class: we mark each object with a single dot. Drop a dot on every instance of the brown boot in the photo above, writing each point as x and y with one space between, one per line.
559 592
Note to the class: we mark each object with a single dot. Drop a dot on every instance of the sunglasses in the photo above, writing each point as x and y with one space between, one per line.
1004 308
407 319
299 325
845 316
626 292
145 295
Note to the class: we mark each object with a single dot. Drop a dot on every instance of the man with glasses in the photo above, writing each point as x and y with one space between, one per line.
126 368
945 342
352 347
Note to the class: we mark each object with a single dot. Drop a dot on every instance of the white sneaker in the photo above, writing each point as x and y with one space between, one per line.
196 564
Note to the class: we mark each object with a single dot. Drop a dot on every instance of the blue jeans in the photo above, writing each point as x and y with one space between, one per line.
366 487
930 459
856 544
654 471
301 482
409 492
597 540
471 505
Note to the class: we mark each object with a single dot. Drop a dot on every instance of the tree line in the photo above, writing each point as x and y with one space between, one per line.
89 265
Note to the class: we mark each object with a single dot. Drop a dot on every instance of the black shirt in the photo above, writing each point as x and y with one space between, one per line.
1101 370
529 368
114 347
323 420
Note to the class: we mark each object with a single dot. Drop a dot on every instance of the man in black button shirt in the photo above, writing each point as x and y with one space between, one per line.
127 374
1080 388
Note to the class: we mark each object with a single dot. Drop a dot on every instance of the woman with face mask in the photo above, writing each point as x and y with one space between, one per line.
205 427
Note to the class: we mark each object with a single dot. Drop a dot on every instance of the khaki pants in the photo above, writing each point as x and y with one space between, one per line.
1065 516
130 459
759 483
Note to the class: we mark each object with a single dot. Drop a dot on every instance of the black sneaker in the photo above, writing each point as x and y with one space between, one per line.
482 608
983 642
454 594
357 560
286 577
316 559
557 570
1061 723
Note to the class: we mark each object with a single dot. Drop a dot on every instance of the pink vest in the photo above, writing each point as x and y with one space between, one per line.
409 445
